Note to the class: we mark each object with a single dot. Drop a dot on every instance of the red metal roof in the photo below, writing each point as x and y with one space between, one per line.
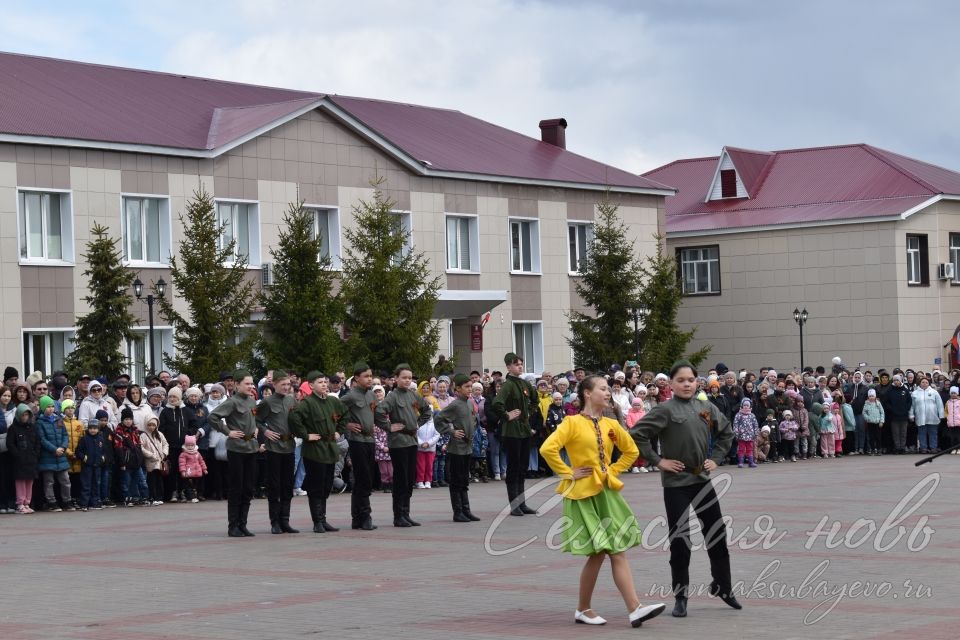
48 98
803 185
750 165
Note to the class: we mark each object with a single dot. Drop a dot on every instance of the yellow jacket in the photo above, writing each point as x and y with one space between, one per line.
578 436
75 430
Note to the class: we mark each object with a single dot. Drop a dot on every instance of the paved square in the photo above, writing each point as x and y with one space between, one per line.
171 572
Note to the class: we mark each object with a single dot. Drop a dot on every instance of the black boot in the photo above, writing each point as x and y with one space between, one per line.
465 501
523 503
322 506
242 522
406 512
512 497
315 514
680 607
398 519
233 516
285 517
274 517
728 598
456 501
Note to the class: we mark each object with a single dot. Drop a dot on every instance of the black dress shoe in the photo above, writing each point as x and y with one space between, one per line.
413 523
327 526
275 528
680 608
728 598
286 528
472 517
234 532
459 517
516 512
368 525
243 529
527 510
318 528
400 522
354 525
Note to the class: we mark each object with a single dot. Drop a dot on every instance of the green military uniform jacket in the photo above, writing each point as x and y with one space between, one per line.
324 416
360 405
458 415
407 407
237 413
272 414
516 393
683 427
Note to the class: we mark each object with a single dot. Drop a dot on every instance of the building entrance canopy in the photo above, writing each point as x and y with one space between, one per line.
466 303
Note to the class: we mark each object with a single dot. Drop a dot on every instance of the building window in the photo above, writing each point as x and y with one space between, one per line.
525 246
145 226
699 270
728 183
528 344
46 226
241 224
463 244
45 351
138 352
918 268
403 223
580 239
326 225
955 256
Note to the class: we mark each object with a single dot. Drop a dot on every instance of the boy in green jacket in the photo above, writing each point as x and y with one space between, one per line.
515 404
459 420
319 420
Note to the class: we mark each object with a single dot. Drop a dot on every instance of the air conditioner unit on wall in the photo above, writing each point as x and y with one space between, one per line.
266 274
946 271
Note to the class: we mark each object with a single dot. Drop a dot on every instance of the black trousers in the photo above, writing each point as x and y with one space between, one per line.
361 458
171 481
242 473
518 458
703 499
319 479
458 467
155 484
279 484
404 461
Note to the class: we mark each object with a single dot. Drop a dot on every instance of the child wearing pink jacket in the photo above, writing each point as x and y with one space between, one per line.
192 466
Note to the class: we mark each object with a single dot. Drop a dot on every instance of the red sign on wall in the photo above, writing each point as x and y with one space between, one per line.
476 337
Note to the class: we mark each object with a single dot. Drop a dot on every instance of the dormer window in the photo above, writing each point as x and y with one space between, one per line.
728 183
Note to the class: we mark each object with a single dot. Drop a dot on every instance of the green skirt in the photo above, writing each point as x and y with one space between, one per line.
602 523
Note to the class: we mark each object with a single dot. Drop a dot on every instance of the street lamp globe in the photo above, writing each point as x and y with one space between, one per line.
137 288
161 287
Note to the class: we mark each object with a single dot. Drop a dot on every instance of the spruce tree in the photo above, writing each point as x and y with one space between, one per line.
219 297
301 322
389 295
609 284
661 340
101 332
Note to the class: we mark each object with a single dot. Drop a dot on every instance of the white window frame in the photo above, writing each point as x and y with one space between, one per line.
474 232
913 261
954 240
166 234
406 223
163 335
66 229
534 247
537 364
713 288
588 226
334 246
253 238
27 352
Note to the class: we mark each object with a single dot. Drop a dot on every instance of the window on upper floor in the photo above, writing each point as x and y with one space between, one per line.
528 344
955 256
524 246
145 226
403 223
579 241
326 225
728 183
241 222
463 243
45 226
918 267
699 270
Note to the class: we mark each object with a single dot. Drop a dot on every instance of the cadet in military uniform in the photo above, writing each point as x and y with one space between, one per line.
272 416
459 420
515 404
235 419
319 420
683 425
361 403
400 414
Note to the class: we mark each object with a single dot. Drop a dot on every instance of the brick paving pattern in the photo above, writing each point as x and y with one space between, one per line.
171 572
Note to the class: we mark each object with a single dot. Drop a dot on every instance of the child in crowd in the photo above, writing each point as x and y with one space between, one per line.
109 445
192 467
745 430
155 450
23 443
427 438
873 418
828 430
761 447
381 454
478 465
75 432
774 433
788 435
53 463
129 457
90 453
816 415
440 462
952 410
637 411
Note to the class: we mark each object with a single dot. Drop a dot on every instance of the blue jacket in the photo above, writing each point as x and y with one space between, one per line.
52 437
90 450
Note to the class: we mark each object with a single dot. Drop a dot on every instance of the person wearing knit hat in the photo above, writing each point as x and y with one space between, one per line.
516 405
873 417
459 421
683 426
235 418
133 480
745 430
951 410
272 418
361 401
176 423
10 376
53 463
75 431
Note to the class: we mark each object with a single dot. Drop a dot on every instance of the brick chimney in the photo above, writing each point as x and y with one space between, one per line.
554 132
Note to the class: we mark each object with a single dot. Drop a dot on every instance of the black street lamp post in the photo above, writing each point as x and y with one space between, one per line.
160 288
638 312
800 317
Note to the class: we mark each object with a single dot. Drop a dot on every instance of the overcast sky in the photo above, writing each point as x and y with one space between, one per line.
640 82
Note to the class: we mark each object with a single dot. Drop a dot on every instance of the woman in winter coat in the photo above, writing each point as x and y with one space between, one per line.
139 405
8 497
23 443
95 401
176 423
926 411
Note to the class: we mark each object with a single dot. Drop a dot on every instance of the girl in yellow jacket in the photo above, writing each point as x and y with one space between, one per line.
599 523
